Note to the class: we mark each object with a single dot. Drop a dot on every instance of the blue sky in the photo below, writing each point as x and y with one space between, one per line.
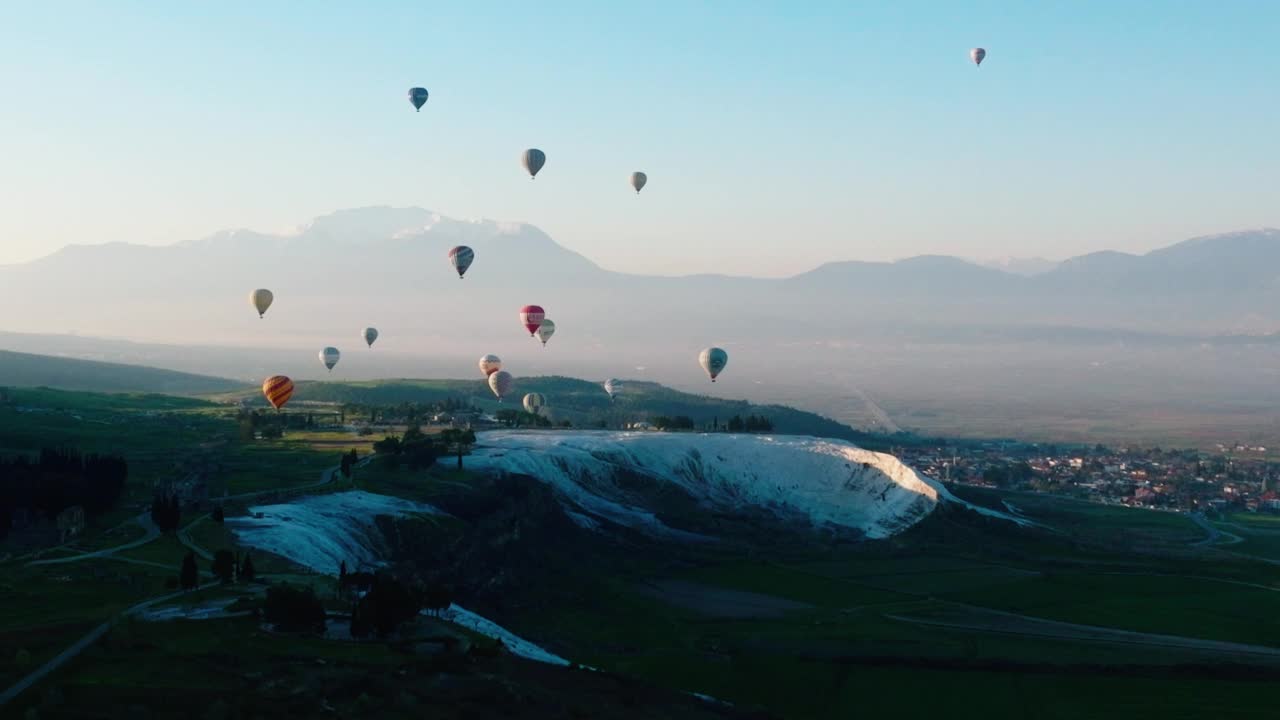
776 136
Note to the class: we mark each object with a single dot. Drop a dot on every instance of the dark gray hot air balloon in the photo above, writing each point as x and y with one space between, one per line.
533 160
638 179
977 55
418 96
370 334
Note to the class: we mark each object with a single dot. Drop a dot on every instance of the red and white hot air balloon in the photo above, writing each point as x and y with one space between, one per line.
531 316
490 364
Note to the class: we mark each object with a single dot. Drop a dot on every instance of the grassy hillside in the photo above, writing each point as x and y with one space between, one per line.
583 403
25 370
773 616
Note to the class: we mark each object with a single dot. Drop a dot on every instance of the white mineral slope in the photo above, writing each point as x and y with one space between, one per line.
323 531
488 628
831 482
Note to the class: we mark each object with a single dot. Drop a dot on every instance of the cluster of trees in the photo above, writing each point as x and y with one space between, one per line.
383 603
293 609
679 422
418 450
410 412
414 449
519 418
57 480
166 511
272 424
226 566
751 424
348 461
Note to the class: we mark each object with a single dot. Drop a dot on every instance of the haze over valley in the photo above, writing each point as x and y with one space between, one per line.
1151 347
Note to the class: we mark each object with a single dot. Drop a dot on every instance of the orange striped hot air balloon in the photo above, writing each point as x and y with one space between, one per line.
278 390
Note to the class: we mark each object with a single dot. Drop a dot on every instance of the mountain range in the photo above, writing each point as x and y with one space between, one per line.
937 340
382 265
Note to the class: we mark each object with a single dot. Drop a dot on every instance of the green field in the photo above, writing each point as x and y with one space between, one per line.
770 617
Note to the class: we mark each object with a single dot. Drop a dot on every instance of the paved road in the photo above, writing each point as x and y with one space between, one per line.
987 620
78 647
1214 533
144 520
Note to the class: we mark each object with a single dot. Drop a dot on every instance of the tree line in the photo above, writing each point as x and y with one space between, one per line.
59 479
520 418
380 603
751 423
417 450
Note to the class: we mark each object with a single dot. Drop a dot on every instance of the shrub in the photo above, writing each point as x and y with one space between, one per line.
293 608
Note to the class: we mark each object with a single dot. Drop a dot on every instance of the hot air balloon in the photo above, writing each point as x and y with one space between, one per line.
546 330
329 356
490 364
461 257
977 55
713 360
613 386
531 316
533 160
533 402
418 96
638 179
278 390
261 300
370 334
500 383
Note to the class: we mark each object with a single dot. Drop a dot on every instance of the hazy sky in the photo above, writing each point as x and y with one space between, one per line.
776 135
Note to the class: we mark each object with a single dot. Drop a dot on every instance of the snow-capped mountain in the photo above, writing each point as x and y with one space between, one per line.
829 482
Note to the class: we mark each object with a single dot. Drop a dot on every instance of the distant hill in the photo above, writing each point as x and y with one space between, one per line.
25 370
583 403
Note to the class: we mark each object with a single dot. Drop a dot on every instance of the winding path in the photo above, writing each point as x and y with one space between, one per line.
79 646
1214 532
144 520
153 532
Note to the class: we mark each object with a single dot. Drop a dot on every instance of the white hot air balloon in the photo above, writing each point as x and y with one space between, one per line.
533 402
329 356
546 330
490 364
977 55
261 299
613 386
713 360
370 334
638 179
501 383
